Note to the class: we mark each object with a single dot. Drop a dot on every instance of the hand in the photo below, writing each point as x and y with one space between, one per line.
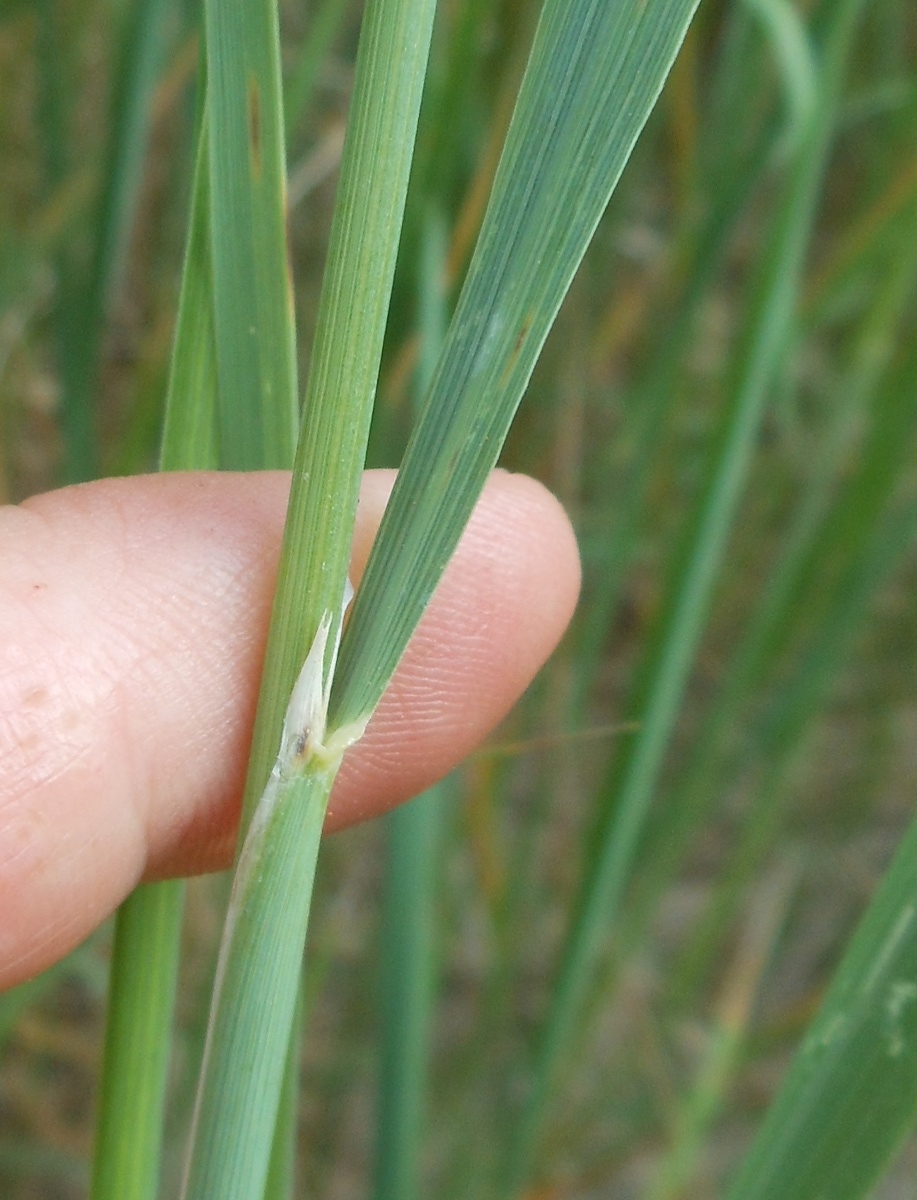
133 615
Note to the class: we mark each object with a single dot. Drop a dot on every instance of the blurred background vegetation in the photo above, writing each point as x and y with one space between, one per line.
789 772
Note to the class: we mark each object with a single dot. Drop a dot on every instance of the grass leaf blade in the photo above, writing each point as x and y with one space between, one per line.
190 438
253 301
851 1094
592 79
663 676
148 925
137 1043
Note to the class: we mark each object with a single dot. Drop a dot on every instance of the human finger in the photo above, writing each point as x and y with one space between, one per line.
133 616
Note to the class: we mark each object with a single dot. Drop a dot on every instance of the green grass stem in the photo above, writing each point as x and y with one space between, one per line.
346 353
246 1053
851 1094
144 970
659 691
793 599
147 938
258 974
85 298
414 834
785 28
323 28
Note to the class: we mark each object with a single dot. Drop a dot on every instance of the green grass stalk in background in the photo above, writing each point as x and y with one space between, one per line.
145 957
88 289
144 971
826 585
324 27
414 835
797 588
733 174
659 692
850 1096
698 1110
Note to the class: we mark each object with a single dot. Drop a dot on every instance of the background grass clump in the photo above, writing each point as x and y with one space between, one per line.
645 883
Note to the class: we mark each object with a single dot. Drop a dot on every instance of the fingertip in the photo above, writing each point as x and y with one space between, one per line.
134 617
501 608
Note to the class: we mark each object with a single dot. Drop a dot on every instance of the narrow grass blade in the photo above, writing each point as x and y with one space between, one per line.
650 402
668 661
86 300
855 555
852 1092
140 58
785 28
730 176
804 575
323 28
593 76
148 927
190 437
414 844
252 290
765 914
137 1044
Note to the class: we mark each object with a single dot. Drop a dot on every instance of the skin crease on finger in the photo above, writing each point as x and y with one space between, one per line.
133 615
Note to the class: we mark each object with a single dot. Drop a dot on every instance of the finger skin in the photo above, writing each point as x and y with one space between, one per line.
133 616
